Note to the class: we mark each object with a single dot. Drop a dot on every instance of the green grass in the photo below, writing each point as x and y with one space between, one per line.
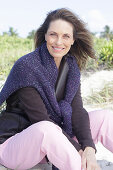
12 48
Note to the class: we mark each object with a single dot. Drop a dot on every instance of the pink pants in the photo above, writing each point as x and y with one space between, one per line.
28 148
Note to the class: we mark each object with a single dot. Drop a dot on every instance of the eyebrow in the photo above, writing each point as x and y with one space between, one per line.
52 32
56 33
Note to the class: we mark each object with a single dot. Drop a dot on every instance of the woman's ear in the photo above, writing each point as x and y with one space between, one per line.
72 42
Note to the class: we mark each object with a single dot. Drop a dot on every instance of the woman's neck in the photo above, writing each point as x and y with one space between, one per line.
57 61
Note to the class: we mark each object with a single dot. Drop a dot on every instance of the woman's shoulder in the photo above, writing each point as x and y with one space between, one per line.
25 58
25 63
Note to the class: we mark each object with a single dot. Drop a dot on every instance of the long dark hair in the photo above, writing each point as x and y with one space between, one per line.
83 44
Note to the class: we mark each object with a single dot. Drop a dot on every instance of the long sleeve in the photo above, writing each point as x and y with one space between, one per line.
80 122
33 106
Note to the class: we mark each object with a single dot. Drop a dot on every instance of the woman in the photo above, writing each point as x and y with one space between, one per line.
59 127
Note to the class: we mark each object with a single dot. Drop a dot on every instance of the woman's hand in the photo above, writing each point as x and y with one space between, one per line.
88 159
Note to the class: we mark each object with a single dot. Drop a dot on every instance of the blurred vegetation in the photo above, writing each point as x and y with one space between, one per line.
12 48
107 33
104 55
11 32
31 34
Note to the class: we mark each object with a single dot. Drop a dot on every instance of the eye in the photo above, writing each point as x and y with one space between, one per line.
66 36
52 34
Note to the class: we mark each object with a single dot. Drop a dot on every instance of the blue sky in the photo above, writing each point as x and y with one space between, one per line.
26 15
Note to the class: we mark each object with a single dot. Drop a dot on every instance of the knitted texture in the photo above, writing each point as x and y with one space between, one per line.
38 69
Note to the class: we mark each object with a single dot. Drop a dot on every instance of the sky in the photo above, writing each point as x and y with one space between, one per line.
27 15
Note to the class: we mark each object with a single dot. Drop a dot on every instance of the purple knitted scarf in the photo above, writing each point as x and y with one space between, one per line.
38 69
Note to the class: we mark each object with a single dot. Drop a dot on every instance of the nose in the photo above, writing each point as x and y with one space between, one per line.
59 41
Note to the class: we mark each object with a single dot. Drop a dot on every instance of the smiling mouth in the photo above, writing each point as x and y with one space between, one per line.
57 49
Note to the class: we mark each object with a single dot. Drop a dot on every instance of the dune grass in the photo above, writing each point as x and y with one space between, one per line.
102 98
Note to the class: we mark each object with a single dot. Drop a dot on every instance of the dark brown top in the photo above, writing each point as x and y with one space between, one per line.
28 101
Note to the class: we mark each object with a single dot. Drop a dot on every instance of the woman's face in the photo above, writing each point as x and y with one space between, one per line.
59 38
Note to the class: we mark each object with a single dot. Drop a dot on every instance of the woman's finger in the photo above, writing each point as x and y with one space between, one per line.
83 163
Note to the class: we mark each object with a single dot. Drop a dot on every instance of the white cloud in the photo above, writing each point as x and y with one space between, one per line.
97 20
96 15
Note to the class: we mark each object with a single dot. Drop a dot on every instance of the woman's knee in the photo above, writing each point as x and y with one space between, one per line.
45 127
101 114
105 114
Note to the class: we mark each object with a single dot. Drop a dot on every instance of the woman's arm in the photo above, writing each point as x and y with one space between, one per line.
32 104
81 129
80 122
